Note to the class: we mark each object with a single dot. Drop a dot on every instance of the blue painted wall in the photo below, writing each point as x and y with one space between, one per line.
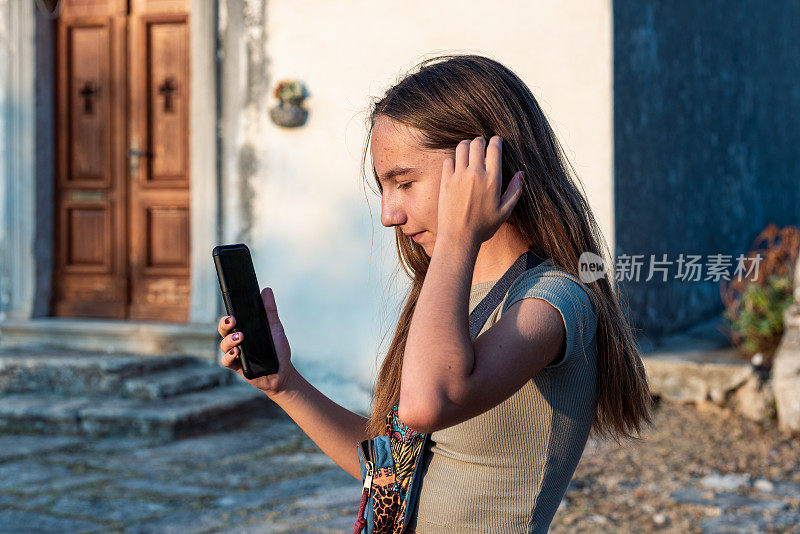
706 140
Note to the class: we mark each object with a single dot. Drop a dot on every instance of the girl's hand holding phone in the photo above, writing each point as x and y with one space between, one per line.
270 384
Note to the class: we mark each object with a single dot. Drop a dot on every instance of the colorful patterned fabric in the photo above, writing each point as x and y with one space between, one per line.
406 445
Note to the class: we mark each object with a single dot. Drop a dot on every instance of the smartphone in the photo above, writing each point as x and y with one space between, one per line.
242 296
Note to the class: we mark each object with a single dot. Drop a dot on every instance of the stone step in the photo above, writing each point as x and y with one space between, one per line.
696 375
200 340
184 379
175 417
697 365
77 372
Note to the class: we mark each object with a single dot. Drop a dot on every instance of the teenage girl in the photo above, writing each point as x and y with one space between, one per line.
471 176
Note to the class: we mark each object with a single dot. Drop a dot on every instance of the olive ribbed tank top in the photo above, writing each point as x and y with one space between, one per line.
507 469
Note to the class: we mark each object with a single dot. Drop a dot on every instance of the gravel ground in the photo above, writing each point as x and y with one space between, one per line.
700 469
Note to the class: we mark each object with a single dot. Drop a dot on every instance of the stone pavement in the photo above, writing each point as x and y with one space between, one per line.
266 477
699 470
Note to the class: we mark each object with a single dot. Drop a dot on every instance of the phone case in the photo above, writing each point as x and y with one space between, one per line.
258 340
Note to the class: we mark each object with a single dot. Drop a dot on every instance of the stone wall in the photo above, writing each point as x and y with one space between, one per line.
786 369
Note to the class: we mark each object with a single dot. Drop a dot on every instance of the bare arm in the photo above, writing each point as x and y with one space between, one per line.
335 429
439 355
439 359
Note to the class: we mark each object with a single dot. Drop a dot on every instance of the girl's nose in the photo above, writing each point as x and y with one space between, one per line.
392 213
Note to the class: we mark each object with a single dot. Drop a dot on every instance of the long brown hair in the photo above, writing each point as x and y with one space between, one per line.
454 97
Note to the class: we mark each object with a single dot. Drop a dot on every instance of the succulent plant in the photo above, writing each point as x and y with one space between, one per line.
290 92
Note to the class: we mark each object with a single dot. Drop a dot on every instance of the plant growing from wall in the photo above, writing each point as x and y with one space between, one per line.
754 305
289 111
290 92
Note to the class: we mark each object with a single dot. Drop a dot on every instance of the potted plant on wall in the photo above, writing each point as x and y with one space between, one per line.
289 112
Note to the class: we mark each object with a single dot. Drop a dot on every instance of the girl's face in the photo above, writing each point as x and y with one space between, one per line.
410 177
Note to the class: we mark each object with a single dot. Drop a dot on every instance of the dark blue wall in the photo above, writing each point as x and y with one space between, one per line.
706 140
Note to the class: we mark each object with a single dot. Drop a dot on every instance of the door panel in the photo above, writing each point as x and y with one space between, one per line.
166 42
167 228
90 103
159 185
122 221
90 275
87 231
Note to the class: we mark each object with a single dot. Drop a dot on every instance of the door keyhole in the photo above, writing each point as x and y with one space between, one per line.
166 89
88 92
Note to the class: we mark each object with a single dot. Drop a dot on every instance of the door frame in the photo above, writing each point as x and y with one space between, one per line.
32 140
205 187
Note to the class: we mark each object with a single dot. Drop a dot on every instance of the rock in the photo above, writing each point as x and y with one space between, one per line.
755 400
763 485
660 519
692 496
725 501
786 365
787 489
599 519
695 376
786 378
725 482
755 523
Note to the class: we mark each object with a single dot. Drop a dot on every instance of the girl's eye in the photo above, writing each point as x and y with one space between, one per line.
404 186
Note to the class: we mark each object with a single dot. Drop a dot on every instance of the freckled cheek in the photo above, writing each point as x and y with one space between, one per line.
432 202
428 210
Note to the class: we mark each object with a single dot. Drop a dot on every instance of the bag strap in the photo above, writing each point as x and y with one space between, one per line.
528 260
479 316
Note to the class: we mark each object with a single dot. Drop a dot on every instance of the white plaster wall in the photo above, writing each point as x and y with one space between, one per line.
315 238
5 54
17 152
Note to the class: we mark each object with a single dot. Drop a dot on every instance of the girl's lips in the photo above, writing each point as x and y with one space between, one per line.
416 237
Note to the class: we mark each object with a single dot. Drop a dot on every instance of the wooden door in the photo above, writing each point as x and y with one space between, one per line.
159 186
122 186
91 267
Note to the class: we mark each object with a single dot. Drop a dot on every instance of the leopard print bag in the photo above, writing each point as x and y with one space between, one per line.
392 463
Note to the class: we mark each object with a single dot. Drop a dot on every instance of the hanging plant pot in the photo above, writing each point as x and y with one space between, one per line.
288 115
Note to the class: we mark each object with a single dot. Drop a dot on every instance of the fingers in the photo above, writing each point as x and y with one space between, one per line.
462 154
511 195
230 341
268 297
231 359
448 167
226 324
477 153
494 158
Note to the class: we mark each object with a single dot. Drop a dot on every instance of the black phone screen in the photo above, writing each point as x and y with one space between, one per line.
240 291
